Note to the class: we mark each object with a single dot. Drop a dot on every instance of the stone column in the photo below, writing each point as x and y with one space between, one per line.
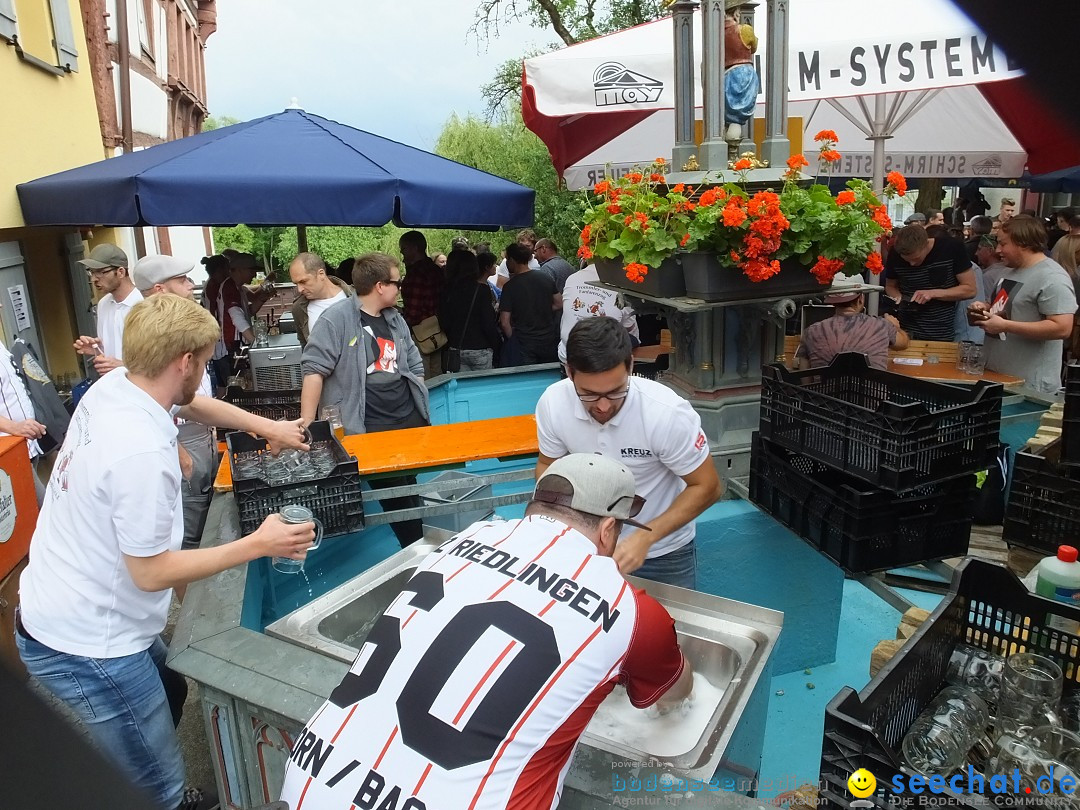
714 149
682 19
776 147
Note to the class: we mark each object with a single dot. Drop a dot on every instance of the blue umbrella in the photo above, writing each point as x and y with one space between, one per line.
285 169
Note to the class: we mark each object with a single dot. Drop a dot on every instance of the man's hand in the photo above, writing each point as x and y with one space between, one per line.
892 320
924 296
276 538
103 365
630 552
87 345
187 463
286 436
993 324
28 429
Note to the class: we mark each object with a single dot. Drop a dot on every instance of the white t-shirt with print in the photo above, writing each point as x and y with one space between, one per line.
115 490
583 299
111 315
656 434
316 308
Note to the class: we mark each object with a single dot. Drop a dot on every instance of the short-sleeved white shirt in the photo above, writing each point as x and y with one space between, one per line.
504 271
582 299
15 401
111 315
316 308
115 490
656 434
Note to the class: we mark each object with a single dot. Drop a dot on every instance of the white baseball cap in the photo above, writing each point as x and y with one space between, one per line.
598 486
151 270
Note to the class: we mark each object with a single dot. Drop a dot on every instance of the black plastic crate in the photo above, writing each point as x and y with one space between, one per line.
1044 503
336 500
858 527
276 405
1070 423
891 431
987 607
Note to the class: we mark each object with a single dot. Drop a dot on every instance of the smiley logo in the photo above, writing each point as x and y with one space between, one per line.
862 783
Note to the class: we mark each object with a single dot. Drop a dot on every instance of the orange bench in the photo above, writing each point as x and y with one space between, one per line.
430 448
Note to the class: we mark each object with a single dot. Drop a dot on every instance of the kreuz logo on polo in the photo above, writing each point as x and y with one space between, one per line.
635 452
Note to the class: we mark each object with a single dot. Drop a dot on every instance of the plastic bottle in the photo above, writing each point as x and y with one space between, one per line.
1059 579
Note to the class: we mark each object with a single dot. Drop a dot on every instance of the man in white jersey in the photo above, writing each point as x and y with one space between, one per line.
106 555
473 687
602 409
107 266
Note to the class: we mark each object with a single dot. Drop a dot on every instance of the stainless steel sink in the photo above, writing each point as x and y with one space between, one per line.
727 642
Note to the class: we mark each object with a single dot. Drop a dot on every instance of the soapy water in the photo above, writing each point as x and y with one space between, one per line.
661 735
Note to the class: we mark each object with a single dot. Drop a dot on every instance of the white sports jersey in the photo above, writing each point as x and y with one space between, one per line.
656 434
473 687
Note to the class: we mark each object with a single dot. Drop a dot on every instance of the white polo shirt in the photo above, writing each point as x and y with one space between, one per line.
15 401
656 434
111 315
115 490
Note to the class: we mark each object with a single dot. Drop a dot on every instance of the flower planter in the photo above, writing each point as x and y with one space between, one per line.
665 281
709 280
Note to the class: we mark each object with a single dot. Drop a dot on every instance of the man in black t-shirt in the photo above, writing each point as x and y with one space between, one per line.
927 277
361 357
527 312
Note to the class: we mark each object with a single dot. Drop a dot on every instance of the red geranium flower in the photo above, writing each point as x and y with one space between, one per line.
602 186
845 197
826 135
873 263
743 164
830 155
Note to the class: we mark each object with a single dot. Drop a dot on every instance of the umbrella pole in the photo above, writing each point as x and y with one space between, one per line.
879 136
301 239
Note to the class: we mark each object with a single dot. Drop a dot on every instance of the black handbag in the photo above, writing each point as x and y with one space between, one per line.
453 353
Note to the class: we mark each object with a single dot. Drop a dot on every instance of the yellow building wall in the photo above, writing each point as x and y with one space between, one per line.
49 122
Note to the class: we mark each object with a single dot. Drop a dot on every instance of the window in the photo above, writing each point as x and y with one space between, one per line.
47 38
8 29
146 27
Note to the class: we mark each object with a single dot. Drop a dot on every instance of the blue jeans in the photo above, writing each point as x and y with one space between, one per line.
678 567
123 703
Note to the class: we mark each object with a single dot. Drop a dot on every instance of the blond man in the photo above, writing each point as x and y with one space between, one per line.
106 552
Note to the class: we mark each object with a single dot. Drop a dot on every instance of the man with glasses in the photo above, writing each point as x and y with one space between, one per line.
602 409
360 356
107 268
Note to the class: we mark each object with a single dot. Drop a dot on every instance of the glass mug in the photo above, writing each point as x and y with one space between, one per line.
332 414
294 514
940 738
963 355
1030 690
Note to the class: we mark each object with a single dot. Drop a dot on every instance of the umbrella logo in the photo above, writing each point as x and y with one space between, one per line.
615 84
988 167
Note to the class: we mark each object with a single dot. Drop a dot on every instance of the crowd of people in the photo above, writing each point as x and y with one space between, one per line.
1008 282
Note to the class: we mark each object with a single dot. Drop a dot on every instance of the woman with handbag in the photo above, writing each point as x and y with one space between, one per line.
467 314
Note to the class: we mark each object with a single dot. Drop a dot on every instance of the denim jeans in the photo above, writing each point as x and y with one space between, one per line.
678 567
123 704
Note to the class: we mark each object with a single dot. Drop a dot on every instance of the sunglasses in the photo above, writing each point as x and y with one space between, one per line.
561 499
395 281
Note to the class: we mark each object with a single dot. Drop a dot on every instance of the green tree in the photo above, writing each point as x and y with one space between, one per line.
218 121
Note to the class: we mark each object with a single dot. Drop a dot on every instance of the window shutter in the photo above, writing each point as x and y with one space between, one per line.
64 32
8 30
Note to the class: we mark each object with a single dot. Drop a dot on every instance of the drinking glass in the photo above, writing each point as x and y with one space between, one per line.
977 669
940 738
293 514
1030 690
976 363
332 414
963 353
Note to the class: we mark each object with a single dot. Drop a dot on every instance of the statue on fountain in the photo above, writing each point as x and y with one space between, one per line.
741 84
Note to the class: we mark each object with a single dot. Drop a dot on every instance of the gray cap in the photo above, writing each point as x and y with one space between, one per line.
105 256
151 270
597 486
915 218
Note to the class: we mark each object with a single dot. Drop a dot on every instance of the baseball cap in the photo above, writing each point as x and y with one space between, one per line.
105 256
598 486
916 217
841 298
151 270
244 261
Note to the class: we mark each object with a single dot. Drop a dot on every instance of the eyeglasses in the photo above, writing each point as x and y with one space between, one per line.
395 281
101 271
610 396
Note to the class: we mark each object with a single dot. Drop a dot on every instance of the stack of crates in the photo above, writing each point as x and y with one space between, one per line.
876 470
1044 500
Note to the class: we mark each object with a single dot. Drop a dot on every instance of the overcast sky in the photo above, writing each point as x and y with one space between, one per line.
397 68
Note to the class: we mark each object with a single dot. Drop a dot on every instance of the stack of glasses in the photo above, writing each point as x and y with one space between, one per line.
1001 717
289 467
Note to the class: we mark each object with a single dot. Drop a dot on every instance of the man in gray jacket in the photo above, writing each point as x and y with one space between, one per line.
360 356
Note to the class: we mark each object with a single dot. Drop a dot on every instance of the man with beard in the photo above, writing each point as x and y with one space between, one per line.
106 555
107 266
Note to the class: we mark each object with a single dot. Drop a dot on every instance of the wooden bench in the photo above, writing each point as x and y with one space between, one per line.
429 449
